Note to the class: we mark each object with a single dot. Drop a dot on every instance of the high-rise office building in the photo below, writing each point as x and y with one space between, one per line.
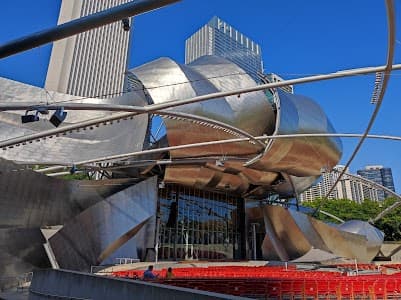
92 63
220 39
348 187
380 175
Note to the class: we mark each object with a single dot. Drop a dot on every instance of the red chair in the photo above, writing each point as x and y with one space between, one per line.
310 288
273 289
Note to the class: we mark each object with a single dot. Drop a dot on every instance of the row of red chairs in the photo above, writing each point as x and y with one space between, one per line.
370 267
245 272
277 281
242 272
294 288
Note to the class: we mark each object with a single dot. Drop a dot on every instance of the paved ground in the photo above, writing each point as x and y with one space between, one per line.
15 294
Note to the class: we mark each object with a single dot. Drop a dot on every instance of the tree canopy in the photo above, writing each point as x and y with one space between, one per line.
350 210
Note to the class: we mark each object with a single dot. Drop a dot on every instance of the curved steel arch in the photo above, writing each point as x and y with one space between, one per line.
164 149
131 111
381 187
208 122
331 216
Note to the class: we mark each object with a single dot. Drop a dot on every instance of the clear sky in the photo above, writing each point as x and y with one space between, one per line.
298 38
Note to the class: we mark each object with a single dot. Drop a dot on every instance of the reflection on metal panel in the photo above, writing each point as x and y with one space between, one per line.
86 144
291 235
184 131
205 178
67 150
299 160
251 111
291 186
166 80
305 156
286 234
14 92
21 250
374 236
100 230
30 199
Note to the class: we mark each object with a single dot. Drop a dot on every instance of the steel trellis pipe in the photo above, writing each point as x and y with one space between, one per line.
228 141
387 72
80 25
154 108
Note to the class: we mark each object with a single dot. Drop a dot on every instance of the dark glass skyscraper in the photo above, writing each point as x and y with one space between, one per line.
220 39
380 175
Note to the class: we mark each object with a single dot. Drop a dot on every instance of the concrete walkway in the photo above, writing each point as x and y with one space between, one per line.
181 264
15 294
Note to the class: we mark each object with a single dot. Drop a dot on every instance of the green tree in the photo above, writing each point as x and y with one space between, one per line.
350 210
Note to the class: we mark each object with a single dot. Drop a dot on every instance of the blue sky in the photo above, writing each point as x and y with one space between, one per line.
298 38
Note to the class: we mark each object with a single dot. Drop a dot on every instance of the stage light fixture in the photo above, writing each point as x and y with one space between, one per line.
126 25
27 118
58 117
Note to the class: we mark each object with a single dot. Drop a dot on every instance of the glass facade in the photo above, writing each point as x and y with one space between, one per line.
388 181
227 47
379 175
200 225
220 39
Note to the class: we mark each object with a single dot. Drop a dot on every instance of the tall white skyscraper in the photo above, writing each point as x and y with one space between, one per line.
220 39
92 63
348 187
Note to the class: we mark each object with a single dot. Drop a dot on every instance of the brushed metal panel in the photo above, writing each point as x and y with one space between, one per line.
374 236
292 186
205 178
14 91
166 80
292 234
96 233
21 250
88 144
342 243
187 132
295 158
73 147
251 112
30 199
303 156
310 233
288 233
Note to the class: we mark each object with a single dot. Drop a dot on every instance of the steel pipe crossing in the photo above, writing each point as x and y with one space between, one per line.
378 186
217 142
387 71
155 108
81 25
